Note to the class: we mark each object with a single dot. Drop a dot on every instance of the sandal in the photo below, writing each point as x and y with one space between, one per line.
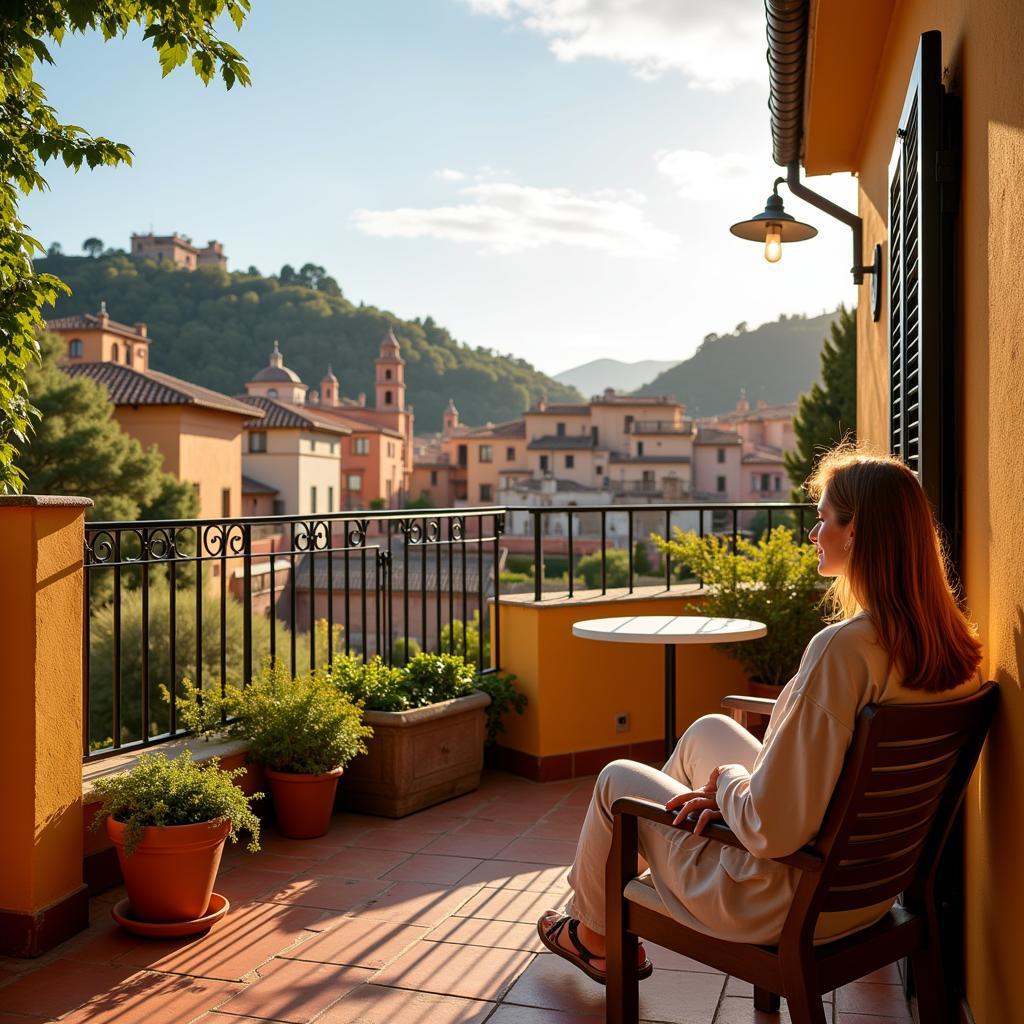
582 957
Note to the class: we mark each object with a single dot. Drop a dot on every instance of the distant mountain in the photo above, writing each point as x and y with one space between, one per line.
217 329
775 362
593 377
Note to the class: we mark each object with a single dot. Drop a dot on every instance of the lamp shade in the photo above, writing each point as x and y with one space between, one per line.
791 229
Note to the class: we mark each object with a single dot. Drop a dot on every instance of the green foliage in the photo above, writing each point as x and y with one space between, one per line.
458 636
401 652
218 328
432 678
616 568
427 679
79 448
504 698
774 581
774 362
515 577
306 725
33 135
375 685
93 247
641 560
158 791
827 413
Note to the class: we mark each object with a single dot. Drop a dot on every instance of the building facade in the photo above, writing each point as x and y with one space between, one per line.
178 250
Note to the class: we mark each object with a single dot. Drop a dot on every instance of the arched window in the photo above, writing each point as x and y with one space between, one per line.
387 397
271 392
75 348
115 353
387 375
127 354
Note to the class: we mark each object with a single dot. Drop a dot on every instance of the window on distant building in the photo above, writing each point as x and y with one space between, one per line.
330 499
593 434
721 485
510 455
225 502
543 463
598 470
463 454
721 455
778 483
127 354
387 397
485 493
648 478
278 507
354 482
257 440
570 462
312 499
361 446
433 478
486 453
389 489
271 392
387 375
312 444
560 429
115 353
75 348
640 448
755 482
766 482
629 424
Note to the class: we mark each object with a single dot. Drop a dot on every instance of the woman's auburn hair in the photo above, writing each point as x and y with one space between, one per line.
898 568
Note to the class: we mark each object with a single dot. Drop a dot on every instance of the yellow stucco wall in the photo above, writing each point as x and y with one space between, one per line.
982 43
41 702
576 687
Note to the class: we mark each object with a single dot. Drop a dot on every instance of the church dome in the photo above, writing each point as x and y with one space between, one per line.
276 371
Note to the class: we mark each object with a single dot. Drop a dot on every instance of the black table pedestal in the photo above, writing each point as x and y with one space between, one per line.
670 700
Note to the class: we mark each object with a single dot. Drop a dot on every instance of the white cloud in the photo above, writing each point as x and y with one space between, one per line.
708 176
717 44
509 218
449 174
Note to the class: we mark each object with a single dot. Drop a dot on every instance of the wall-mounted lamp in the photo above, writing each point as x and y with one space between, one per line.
774 227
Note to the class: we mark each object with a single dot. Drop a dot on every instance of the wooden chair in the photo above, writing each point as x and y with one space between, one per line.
902 782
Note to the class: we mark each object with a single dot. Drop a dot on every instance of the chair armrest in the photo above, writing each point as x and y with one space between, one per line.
750 705
806 859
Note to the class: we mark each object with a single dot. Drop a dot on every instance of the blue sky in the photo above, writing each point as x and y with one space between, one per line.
549 178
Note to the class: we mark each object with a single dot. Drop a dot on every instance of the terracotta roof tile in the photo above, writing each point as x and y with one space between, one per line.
91 322
278 413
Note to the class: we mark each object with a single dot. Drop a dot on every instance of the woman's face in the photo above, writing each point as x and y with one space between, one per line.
832 540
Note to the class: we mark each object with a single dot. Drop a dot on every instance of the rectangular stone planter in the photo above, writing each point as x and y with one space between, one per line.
417 758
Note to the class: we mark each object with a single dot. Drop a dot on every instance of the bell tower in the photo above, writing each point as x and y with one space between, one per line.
390 376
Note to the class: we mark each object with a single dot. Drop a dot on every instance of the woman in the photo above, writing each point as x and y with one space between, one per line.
898 636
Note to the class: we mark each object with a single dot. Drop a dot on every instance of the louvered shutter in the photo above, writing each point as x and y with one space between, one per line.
923 201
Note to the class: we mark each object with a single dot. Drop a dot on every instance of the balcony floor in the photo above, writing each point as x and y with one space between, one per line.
427 919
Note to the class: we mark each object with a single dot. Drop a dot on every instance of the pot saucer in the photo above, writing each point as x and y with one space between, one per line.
121 912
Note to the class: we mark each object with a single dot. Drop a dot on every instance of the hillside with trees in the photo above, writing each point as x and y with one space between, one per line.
217 329
775 362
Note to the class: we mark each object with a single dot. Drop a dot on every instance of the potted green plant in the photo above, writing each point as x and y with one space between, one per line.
302 731
430 723
168 821
773 580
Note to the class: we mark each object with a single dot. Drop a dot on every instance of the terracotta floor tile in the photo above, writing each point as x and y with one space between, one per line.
434 820
246 938
863 1018
522 814
358 942
557 828
415 903
472 931
102 943
735 1010
508 874
327 892
263 861
485 827
17 1018
299 849
884 976
464 806
466 844
148 998
406 840
245 884
668 960
506 1014
541 851
295 991
736 987
473 972
668 996
507 905
880 1000
424 867
374 1004
352 862
60 987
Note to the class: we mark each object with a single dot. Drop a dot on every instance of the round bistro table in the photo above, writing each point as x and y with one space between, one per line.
670 631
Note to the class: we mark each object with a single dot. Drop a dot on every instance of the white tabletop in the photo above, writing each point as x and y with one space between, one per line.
669 629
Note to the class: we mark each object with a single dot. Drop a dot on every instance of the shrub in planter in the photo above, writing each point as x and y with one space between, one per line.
169 820
773 580
303 732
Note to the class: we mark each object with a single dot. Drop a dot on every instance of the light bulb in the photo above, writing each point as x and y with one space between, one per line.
773 243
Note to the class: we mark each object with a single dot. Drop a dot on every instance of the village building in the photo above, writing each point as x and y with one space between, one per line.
179 250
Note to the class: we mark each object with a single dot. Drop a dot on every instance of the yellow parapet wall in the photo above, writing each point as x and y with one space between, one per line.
42 898
576 687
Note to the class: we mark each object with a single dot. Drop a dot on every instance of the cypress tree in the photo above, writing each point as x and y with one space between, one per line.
827 413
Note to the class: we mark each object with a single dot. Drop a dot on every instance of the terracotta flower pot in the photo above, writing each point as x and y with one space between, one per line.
170 875
303 803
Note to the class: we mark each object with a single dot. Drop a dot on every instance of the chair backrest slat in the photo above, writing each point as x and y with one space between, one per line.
902 782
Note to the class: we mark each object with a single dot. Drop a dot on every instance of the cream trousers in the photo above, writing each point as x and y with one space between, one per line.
709 742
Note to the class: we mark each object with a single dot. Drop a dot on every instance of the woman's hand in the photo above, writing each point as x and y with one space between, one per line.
702 802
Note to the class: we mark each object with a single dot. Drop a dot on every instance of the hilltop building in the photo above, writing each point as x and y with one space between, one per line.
179 250
198 431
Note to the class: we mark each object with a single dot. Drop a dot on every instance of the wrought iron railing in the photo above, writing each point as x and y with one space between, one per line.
209 600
